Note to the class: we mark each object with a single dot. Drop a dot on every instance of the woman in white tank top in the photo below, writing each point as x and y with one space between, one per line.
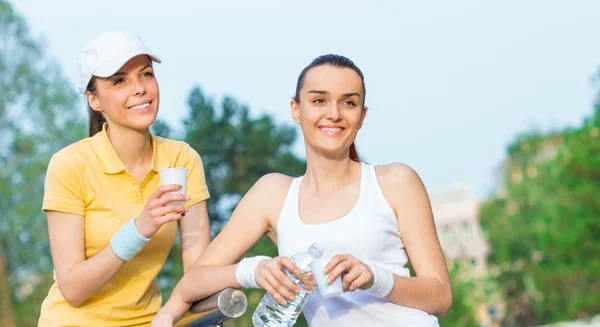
370 219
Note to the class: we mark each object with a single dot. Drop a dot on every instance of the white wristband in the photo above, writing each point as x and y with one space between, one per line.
383 280
244 274
127 241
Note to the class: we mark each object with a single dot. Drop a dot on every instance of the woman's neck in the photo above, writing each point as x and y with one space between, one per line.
325 175
134 148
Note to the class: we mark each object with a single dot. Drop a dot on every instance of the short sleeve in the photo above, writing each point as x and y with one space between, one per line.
62 186
196 188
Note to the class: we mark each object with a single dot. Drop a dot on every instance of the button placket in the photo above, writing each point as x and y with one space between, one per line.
138 196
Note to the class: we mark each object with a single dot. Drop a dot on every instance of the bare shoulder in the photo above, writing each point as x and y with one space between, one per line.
398 175
269 191
273 183
404 191
267 198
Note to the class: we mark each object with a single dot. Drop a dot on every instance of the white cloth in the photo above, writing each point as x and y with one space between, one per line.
245 273
370 233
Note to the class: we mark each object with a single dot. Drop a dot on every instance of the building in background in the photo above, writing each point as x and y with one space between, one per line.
457 223
456 214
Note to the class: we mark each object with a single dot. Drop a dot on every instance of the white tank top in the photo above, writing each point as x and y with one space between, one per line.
370 233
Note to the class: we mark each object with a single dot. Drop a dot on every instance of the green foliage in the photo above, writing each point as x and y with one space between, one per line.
161 128
544 231
462 311
236 149
38 116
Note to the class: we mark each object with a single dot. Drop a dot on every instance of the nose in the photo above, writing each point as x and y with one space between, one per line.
139 88
334 113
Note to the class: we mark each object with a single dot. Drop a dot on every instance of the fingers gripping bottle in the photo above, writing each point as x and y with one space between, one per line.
270 313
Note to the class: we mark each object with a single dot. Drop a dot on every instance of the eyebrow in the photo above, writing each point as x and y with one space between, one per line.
124 73
345 95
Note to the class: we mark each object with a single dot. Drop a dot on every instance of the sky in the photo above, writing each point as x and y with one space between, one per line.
450 84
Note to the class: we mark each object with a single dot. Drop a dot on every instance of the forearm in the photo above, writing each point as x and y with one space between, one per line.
203 281
192 246
195 234
175 307
88 277
198 283
423 293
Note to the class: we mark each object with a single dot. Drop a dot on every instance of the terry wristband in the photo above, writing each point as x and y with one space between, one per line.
244 274
127 241
383 281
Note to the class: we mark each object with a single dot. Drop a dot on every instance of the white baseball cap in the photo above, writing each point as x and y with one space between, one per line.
104 55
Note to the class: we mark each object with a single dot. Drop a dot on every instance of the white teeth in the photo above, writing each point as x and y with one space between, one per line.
141 106
331 129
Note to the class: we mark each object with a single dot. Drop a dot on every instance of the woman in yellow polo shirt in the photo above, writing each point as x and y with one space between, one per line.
110 222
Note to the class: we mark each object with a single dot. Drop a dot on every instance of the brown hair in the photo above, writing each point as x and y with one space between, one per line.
335 61
96 119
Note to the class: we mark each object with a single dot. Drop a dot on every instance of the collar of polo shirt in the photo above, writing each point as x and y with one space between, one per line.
111 163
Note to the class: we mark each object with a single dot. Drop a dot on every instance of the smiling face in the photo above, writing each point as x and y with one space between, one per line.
128 98
330 109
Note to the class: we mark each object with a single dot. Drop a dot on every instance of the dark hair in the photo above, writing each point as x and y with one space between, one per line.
335 61
96 118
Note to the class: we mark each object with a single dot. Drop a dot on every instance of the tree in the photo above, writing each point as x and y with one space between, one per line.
161 128
38 116
236 149
544 231
5 302
462 313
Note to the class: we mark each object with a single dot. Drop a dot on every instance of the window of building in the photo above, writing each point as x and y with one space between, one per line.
467 230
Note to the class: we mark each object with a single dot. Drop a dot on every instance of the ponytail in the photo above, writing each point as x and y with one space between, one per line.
96 118
96 121
354 153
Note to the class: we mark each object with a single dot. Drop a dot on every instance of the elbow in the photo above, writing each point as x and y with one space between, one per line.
445 304
75 303
73 297
75 300
186 294
444 309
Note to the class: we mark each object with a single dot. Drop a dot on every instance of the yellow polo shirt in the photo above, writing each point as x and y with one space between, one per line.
87 178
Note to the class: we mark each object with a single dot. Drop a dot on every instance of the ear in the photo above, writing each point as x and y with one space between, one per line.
93 101
295 109
364 115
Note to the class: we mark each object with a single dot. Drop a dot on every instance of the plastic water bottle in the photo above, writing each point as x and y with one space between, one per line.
270 313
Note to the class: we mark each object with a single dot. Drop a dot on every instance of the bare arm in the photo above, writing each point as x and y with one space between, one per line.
77 277
208 280
252 218
430 290
195 233
202 282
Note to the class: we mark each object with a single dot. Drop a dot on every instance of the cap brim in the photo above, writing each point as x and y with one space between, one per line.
110 67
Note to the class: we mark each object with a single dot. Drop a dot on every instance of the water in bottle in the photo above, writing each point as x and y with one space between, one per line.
270 313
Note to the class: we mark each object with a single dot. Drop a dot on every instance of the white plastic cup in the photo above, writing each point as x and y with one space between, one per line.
174 176
327 291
